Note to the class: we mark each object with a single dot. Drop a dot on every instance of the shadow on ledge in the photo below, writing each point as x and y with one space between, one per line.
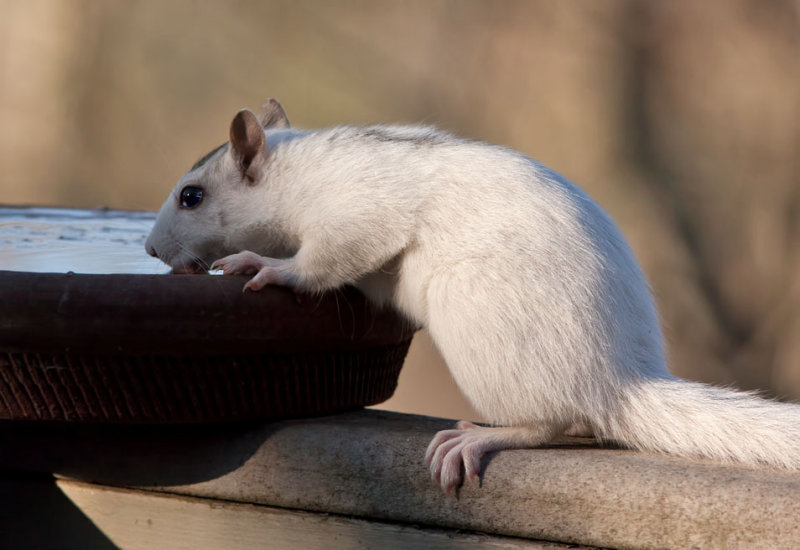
35 513
130 455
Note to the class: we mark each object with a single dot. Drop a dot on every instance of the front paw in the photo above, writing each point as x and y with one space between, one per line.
243 263
268 271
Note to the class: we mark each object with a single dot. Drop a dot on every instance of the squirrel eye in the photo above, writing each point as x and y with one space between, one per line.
191 196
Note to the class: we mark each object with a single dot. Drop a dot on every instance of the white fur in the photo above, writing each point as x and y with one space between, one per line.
525 285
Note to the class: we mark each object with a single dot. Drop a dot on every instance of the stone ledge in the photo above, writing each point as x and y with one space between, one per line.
368 464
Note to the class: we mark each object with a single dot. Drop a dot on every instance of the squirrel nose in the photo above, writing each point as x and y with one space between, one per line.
151 250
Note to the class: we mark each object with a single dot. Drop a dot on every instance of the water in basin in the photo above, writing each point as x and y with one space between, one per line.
52 240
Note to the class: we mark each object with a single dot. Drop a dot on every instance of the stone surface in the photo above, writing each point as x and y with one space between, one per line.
368 464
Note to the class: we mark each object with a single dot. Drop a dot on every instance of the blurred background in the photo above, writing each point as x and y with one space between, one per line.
681 118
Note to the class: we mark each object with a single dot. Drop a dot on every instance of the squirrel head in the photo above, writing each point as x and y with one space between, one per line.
207 215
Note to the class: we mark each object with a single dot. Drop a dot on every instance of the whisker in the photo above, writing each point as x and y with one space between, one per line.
336 293
199 261
194 257
373 312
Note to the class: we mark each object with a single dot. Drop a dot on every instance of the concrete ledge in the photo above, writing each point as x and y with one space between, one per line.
368 464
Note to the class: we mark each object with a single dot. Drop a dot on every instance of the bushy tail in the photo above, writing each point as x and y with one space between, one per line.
691 419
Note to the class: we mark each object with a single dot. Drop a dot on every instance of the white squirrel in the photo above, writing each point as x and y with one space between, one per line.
525 285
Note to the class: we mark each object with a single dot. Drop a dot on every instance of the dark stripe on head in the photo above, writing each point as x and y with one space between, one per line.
206 158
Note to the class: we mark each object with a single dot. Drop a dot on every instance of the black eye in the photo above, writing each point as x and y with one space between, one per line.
191 196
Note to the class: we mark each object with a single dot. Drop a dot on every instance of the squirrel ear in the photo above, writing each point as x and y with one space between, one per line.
272 115
248 145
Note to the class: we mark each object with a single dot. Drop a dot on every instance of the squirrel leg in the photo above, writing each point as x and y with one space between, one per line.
452 451
317 266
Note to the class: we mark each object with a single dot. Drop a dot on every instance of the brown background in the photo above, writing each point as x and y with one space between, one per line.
681 118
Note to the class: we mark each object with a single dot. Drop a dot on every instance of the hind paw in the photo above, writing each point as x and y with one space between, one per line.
454 454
